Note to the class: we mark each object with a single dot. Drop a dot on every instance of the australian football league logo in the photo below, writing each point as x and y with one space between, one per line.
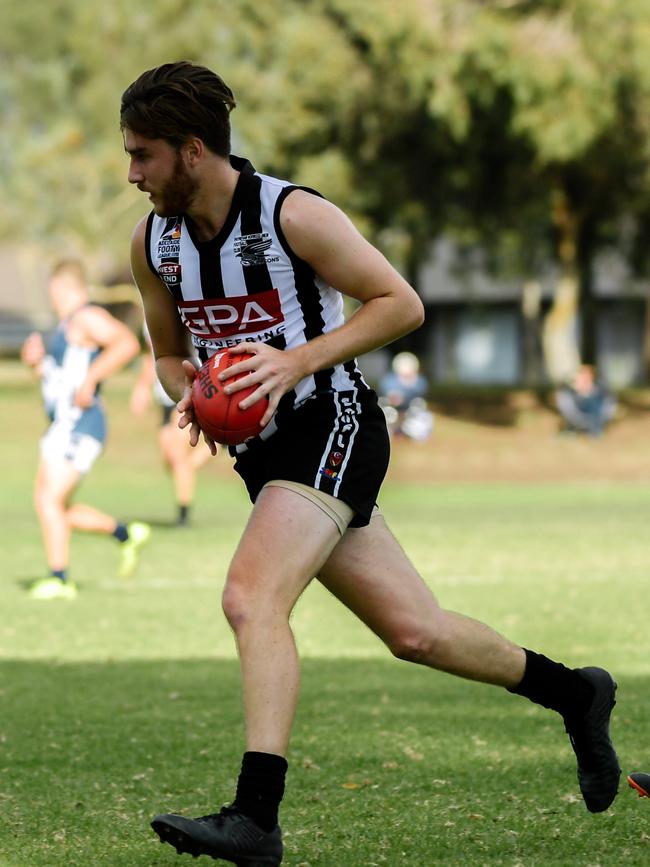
169 245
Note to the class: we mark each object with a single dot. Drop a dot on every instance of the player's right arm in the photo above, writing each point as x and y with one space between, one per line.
32 352
141 394
168 336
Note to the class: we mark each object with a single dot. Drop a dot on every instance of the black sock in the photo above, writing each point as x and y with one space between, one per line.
61 574
260 788
183 514
121 533
554 686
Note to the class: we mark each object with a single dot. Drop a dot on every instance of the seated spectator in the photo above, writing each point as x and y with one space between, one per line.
585 405
402 396
404 382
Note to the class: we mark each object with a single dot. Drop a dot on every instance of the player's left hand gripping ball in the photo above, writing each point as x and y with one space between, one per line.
218 413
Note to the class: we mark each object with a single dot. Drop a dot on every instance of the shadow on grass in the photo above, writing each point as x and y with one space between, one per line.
160 523
25 582
390 764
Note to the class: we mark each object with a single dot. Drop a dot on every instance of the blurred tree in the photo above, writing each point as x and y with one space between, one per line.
65 64
557 110
514 123
519 124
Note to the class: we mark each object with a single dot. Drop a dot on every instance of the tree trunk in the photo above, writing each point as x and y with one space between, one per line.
560 332
531 302
646 342
588 339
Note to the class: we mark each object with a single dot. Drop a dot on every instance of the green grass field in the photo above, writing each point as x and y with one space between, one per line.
125 703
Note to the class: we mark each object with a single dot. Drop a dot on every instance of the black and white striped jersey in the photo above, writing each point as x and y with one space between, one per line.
246 284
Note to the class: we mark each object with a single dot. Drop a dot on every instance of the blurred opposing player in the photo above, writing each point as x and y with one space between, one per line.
87 346
180 458
258 265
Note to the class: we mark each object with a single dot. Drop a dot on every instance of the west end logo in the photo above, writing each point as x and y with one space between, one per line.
170 273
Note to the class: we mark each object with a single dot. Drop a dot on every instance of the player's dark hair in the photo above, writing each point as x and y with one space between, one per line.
178 100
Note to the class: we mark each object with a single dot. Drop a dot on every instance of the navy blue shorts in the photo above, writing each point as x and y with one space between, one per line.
334 442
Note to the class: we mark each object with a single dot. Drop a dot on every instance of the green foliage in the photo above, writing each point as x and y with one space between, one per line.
415 116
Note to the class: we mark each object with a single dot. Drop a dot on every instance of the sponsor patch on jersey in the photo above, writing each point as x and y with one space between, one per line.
251 249
168 249
238 316
169 245
335 458
170 273
217 344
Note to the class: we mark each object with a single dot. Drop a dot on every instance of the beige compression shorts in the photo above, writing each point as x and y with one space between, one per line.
337 510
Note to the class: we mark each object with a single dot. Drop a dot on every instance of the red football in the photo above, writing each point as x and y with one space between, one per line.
218 413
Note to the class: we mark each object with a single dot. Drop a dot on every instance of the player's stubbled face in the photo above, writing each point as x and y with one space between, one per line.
177 194
158 169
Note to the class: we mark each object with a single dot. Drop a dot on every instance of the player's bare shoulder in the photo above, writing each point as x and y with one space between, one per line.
302 208
138 238
146 280
92 325
313 225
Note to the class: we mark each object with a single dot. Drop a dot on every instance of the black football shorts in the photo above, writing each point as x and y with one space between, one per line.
334 442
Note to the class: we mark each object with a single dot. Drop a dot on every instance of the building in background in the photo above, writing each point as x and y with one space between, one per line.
486 330
480 329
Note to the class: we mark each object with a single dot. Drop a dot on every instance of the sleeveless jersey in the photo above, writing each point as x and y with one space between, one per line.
63 370
247 284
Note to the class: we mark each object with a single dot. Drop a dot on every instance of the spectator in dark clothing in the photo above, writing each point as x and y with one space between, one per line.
585 405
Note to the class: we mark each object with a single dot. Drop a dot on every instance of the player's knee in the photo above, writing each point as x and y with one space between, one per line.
176 460
241 604
46 503
234 606
426 643
247 600
410 644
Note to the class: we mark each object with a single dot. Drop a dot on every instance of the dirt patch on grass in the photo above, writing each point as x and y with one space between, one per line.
516 438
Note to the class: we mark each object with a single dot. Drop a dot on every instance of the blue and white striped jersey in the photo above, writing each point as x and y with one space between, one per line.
63 370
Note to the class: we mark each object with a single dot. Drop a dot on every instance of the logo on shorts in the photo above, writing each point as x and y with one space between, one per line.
331 474
334 460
